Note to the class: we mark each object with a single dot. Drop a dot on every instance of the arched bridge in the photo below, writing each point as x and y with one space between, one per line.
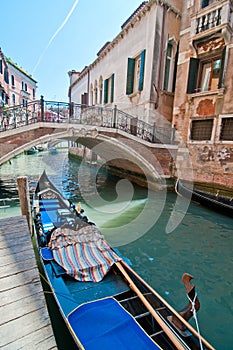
128 146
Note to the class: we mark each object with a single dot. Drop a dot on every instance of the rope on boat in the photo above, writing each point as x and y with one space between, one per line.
195 317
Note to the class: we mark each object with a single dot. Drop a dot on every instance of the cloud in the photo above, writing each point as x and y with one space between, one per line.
54 35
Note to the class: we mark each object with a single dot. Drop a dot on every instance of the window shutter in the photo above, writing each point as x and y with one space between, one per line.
130 76
175 69
142 68
112 88
220 83
192 77
106 91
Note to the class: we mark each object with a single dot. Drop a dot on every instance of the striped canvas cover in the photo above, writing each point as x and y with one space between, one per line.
84 254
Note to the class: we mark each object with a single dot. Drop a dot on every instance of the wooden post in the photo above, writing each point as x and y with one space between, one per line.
23 190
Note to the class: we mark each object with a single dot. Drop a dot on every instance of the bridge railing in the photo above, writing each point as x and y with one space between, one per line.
63 112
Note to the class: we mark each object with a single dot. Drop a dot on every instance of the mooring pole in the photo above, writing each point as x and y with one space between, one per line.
23 190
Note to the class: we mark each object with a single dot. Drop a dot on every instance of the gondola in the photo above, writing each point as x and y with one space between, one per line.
221 204
104 302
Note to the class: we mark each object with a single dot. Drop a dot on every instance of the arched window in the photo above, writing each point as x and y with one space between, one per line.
91 96
100 90
95 92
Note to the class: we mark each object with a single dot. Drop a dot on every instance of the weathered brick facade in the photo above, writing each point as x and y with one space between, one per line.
203 109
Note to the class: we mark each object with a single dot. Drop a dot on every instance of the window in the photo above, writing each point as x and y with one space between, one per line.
170 68
13 99
12 80
33 93
205 74
201 130
100 90
95 92
135 73
226 133
1 66
204 3
91 95
109 89
210 74
6 76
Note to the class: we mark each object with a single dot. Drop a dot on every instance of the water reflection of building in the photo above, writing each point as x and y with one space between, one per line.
17 87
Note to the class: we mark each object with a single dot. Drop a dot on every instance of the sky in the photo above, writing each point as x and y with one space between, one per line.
49 38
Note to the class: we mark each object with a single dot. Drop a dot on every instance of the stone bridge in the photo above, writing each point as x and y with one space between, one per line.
121 148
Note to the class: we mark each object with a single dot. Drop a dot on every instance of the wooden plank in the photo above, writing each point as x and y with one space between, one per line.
40 340
17 308
21 292
23 277
24 322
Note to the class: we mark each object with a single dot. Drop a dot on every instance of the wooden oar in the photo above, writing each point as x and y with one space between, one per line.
195 333
163 325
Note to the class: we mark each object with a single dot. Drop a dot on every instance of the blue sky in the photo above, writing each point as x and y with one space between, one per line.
48 38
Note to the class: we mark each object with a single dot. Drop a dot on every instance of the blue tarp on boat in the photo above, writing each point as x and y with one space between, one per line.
105 324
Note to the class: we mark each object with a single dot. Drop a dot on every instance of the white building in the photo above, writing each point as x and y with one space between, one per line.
136 70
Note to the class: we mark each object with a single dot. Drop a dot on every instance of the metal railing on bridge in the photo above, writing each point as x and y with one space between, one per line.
71 113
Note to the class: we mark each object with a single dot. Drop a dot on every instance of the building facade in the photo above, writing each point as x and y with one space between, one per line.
136 70
203 108
17 87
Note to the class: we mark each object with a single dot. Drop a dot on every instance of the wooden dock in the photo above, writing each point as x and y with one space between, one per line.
24 320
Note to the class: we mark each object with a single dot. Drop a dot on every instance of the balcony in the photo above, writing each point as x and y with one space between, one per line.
24 94
216 17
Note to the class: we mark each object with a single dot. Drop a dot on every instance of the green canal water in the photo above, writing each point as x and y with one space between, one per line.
198 241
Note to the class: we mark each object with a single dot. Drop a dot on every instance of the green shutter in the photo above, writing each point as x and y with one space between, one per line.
175 69
130 76
220 83
142 68
192 77
106 91
112 88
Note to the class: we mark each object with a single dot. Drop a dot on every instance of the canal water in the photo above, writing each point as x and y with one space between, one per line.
198 241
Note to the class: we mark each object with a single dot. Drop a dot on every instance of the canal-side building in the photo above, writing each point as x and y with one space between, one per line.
136 70
4 81
203 108
16 85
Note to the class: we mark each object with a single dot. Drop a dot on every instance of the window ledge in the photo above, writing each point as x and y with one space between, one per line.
201 142
134 94
219 92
